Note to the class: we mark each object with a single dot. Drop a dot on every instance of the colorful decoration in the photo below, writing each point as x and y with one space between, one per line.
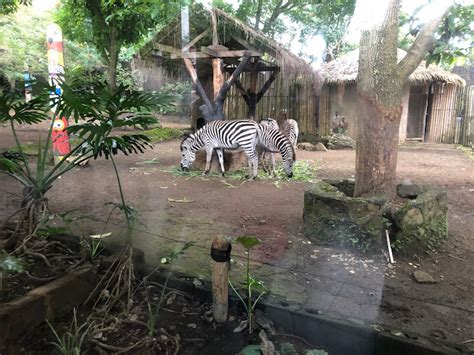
60 137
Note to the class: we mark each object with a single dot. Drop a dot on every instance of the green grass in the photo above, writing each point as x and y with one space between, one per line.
302 171
468 151
161 134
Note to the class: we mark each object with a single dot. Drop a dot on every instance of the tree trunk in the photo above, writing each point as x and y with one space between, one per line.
113 58
259 14
379 90
377 147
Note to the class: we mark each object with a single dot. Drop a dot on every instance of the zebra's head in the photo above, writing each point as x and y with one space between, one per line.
270 122
188 155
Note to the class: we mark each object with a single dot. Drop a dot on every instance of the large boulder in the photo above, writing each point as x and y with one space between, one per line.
421 224
331 217
340 141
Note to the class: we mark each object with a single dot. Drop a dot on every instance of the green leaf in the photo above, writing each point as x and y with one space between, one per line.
250 350
10 263
248 242
288 349
316 352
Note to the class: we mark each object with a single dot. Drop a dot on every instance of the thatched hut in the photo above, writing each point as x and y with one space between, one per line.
429 100
269 81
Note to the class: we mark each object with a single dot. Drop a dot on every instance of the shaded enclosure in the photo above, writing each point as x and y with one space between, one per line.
227 58
428 101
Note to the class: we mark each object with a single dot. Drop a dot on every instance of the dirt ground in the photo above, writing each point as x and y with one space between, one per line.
336 282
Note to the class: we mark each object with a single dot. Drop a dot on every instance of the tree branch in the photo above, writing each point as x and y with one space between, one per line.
424 42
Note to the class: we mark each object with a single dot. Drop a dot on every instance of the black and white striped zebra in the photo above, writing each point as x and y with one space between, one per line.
222 135
291 130
263 153
274 141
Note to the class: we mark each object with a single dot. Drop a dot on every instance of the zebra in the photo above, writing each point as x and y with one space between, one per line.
271 123
291 130
273 141
219 135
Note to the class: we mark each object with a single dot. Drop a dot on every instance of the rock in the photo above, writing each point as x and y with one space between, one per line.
320 147
262 222
306 146
408 190
423 277
332 217
340 141
422 223
192 325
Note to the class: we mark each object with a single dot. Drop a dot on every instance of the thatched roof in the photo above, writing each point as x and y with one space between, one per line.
344 70
231 32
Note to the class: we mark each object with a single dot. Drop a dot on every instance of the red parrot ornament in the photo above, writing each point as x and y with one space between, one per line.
60 137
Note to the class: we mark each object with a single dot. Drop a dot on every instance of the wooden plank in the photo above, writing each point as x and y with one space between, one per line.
192 72
229 53
195 40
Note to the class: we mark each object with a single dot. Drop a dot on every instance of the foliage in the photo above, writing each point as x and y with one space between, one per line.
453 38
10 6
309 17
251 285
110 25
161 134
104 110
22 46
70 343
10 263
153 312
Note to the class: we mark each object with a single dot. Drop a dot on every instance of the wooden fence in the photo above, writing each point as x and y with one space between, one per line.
285 96
464 132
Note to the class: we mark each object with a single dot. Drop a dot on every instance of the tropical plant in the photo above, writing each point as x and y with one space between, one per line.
153 312
71 342
251 285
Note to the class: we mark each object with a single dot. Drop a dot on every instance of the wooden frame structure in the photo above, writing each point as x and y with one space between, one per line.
234 61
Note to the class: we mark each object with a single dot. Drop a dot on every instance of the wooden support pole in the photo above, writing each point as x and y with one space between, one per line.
220 254
217 75
195 79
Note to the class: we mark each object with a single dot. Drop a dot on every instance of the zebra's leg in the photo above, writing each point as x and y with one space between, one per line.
262 158
272 162
220 154
209 151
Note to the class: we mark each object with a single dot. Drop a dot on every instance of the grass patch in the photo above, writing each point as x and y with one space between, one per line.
302 171
467 150
161 134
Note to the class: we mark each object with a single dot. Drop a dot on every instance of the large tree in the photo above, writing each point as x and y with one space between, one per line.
379 87
23 45
310 17
110 25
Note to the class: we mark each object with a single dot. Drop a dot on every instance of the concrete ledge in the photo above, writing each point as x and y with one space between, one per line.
49 301
335 335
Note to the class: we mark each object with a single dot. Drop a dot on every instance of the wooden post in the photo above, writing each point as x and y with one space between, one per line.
220 253
217 77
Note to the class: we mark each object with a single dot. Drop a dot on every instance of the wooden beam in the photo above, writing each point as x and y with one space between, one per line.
195 40
245 44
195 79
190 55
261 69
219 101
167 49
240 87
253 76
229 53
265 87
